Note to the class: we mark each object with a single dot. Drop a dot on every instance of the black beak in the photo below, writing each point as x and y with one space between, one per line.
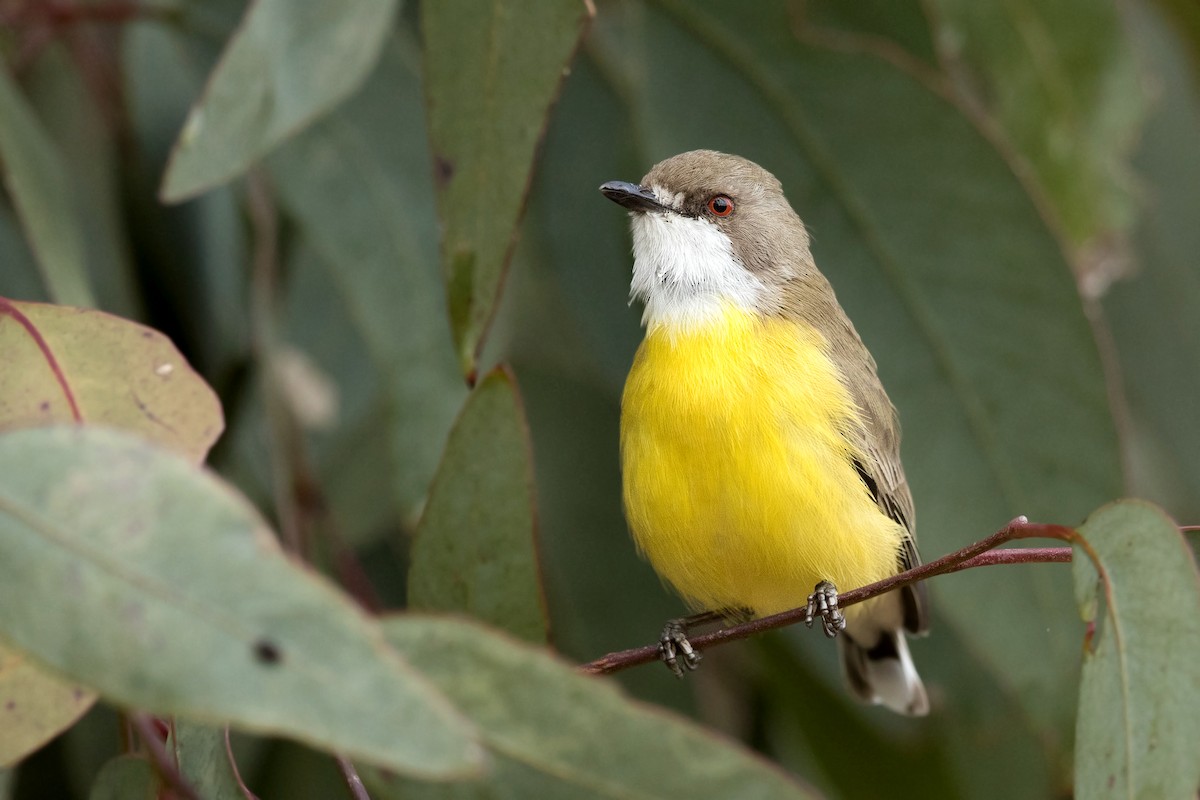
632 196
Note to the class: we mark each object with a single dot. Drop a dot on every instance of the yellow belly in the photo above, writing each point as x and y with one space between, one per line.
739 482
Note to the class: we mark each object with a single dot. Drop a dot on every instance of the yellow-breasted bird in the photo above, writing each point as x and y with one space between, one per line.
760 454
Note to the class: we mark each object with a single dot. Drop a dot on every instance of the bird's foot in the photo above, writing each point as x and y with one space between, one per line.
823 603
674 647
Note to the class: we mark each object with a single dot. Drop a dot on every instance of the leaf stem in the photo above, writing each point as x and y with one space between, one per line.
974 555
146 728
237 773
353 782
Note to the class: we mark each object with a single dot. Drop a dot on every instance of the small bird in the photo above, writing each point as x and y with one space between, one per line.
760 454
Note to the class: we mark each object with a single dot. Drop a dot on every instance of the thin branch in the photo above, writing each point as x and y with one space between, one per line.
300 502
237 773
975 555
145 725
264 280
353 782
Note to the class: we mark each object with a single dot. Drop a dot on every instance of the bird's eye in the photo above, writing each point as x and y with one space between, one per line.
720 205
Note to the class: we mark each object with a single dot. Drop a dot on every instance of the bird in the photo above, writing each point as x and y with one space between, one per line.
760 453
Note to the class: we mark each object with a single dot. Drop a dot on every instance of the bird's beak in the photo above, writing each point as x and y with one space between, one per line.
632 196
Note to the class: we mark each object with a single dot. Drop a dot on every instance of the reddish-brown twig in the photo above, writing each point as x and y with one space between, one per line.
152 740
975 555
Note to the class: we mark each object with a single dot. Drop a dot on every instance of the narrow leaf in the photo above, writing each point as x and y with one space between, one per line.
41 191
1138 731
476 547
1152 314
67 364
349 183
494 67
126 778
1062 81
285 66
204 761
131 571
556 733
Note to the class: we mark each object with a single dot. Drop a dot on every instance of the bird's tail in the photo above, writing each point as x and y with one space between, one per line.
884 673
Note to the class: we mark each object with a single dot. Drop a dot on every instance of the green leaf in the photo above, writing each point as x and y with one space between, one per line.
76 120
805 705
476 546
34 706
41 190
1184 17
495 67
285 66
204 761
1138 729
69 364
20 276
131 571
126 778
353 184
951 274
1062 82
873 26
1152 314
553 732
201 251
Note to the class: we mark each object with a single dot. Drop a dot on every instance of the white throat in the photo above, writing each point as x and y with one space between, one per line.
684 271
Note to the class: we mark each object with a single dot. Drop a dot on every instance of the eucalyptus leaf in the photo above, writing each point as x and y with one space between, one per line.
357 186
557 733
476 547
1137 732
1062 81
133 572
126 778
494 67
964 298
1152 314
41 191
87 144
34 706
284 67
65 364
68 364
204 760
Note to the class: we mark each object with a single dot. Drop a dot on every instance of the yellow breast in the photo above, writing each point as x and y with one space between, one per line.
739 480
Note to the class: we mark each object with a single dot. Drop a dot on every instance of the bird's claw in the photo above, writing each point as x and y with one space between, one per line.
674 647
823 603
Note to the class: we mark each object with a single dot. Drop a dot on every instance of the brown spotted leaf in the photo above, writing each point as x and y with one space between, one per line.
68 364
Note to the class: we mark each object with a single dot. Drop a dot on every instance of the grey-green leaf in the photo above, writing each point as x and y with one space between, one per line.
1062 82
964 298
1138 730
126 778
491 67
204 760
286 65
476 547
353 184
131 571
556 733
41 190
1152 314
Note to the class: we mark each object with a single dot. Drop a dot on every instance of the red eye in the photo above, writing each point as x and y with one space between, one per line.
720 206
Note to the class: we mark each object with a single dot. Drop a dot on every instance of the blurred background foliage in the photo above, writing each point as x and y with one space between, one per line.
350 213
